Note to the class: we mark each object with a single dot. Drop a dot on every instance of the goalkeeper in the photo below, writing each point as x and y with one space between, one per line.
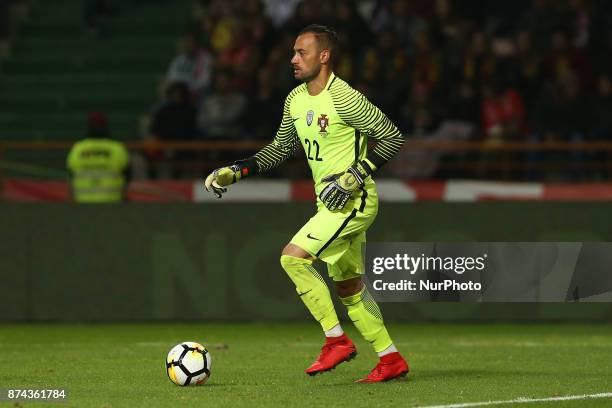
332 122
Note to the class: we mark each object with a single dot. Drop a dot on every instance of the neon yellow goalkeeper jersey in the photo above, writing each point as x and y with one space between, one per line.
333 128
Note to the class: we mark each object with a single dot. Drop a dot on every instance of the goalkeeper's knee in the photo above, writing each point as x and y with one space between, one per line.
295 266
312 289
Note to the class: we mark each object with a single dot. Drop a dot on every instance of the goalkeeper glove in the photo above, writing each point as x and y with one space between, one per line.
337 193
219 179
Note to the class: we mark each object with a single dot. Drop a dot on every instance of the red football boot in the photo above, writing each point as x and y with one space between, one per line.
336 350
389 367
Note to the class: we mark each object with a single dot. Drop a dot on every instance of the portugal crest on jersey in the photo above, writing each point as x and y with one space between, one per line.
323 122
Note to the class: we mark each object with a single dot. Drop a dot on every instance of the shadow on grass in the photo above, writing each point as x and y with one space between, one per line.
396 383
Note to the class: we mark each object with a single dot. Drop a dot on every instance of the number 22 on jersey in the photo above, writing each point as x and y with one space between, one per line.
312 150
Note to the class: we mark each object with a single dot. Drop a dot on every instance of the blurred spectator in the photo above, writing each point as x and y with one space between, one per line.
193 66
266 108
503 113
252 9
400 16
276 64
349 26
526 71
426 67
561 113
175 118
503 119
383 72
240 55
203 29
541 19
564 59
479 63
261 32
444 25
99 165
220 114
422 113
280 11
579 21
463 104
222 33
307 12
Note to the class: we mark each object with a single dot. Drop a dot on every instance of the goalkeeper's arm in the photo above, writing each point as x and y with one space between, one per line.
358 112
282 147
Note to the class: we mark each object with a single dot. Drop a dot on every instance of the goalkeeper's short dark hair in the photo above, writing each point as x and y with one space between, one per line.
326 37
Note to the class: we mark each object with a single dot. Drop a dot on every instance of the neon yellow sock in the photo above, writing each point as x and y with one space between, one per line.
365 315
312 289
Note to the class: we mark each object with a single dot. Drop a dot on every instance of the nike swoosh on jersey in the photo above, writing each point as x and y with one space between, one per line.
295 119
303 293
311 237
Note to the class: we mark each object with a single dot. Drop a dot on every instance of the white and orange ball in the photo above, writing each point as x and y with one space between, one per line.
188 363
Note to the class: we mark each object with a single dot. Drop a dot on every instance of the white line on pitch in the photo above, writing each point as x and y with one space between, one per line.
523 400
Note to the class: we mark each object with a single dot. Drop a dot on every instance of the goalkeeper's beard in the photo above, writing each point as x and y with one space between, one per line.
308 77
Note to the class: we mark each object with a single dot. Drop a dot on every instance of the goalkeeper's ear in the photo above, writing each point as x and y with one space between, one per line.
248 167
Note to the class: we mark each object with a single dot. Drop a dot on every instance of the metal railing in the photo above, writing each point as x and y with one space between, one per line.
477 159
242 145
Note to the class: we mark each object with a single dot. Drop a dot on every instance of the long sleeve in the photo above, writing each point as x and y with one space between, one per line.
358 112
284 144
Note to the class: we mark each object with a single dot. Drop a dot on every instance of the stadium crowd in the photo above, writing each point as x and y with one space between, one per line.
510 70
526 70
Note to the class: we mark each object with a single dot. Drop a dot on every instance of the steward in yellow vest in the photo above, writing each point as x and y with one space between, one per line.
98 165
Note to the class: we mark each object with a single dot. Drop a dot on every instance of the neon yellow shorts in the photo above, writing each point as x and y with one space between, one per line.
337 237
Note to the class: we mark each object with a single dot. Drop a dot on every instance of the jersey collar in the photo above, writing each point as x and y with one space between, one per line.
329 81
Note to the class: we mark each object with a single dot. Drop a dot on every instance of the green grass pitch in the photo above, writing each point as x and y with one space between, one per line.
263 365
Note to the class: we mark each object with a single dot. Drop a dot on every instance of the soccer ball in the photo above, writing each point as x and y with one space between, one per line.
188 363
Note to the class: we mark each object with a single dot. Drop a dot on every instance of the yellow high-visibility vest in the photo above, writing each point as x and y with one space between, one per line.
97 167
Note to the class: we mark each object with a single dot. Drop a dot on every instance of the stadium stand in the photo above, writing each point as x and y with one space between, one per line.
59 70
527 71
